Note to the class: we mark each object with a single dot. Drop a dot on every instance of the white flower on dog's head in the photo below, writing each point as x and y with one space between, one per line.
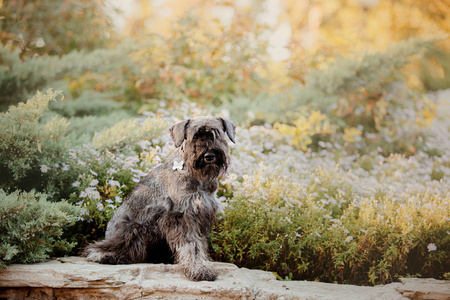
178 165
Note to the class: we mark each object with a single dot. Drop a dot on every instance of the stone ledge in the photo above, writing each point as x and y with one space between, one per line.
76 278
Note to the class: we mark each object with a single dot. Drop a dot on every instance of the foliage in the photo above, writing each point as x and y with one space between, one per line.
342 27
365 100
28 148
56 27
347 76
89 102
202 66
31 227
329 230
305 128
19 77
331 216
435 70
129 132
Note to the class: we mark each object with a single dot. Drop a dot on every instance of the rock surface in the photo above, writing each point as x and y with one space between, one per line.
75 278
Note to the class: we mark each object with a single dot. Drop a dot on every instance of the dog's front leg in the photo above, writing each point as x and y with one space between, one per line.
192 256
190 246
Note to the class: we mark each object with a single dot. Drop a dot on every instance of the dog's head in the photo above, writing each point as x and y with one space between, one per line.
204 146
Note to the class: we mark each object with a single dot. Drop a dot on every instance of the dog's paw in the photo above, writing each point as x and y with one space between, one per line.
201 273
93 255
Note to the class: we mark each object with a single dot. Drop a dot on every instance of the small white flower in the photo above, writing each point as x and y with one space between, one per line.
140 173
83 194
76 184
112 171
348 239
90 190
114 183
44 169
109 201
118 199
431 247
100 206
94 182
93 173
268 145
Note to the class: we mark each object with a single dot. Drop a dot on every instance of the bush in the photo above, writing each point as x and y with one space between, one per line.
101 173
21 77
29 148
328 228
31 226
207 67
55 27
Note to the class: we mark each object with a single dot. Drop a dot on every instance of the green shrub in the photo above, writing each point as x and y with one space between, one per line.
31 226
206 67
127 132
88 103
369 76
101 173
21 77
331 229
27 147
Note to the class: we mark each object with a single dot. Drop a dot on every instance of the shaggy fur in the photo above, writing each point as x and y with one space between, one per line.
169 214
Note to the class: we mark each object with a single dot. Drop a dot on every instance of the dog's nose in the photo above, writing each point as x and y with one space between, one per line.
209 156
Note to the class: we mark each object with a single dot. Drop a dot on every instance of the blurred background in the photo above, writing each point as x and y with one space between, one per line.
254 61
342 107
289 31
212 52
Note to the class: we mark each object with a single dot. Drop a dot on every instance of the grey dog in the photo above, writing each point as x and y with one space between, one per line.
169 214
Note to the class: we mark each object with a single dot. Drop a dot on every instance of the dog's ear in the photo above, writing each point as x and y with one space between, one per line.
178 132
229 128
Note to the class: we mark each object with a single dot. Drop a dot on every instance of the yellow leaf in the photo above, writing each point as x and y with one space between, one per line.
350 134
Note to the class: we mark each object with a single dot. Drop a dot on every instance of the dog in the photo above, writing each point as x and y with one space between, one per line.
169 214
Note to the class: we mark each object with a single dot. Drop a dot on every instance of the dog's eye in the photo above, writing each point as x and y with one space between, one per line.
203 136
